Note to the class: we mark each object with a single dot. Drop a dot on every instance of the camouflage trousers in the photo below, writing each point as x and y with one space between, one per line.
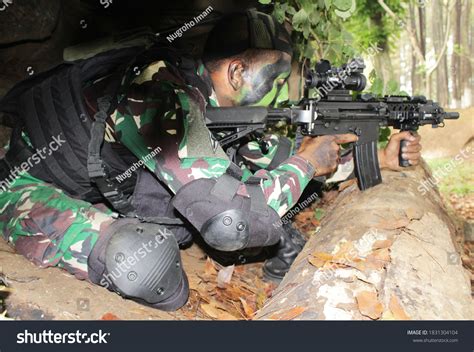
48 227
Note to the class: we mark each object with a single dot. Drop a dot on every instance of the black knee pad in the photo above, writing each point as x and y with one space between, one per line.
142 262
226 220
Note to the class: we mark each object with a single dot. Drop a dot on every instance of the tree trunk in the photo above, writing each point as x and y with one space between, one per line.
422 40
471 54
456 58
385 253
415 77
439 31
382 61
383 66
466 70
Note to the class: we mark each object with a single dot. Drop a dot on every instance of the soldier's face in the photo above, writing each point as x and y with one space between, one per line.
263 81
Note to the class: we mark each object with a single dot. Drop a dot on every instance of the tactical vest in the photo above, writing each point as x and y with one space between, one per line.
52 104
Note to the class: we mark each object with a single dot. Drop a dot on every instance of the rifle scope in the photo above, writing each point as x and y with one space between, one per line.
348 76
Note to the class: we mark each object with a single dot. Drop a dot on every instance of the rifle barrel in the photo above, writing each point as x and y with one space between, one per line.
452 115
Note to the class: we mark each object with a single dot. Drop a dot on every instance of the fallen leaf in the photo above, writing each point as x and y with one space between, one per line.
225 276
369 304
387 315
239 269
346 184
216 313
323 256
109 316
392 224
378 259
249 308
381 244
319 259
346 252
234 292
315 222
289 314
397 310
209 268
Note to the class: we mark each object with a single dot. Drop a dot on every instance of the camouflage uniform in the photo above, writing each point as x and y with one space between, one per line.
53 229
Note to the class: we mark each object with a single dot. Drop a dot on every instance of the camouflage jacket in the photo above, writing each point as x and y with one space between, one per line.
159 110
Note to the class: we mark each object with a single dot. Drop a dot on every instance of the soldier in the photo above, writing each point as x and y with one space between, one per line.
165 166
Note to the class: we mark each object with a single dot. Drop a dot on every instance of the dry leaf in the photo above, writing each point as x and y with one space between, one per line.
249 308
392 224
319 259
346 184
346 256
345 248
216 313
109 316
234 292
239 269
323 256
225 276
387 315
358 264
369 304
396 309
382 244
289 314
210 269
378 259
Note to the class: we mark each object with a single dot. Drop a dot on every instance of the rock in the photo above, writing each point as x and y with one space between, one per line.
21 20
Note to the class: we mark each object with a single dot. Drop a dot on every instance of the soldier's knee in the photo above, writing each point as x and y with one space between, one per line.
142 262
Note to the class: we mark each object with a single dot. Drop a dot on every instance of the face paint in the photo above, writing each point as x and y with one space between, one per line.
265 84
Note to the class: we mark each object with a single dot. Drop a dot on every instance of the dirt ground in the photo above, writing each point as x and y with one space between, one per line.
216 292
52 293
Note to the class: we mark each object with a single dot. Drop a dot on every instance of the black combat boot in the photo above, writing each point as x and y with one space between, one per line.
285 252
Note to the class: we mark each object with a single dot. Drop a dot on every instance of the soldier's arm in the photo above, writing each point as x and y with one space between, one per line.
157 117
266 154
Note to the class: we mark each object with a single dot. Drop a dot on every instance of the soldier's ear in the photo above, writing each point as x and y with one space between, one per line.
235 74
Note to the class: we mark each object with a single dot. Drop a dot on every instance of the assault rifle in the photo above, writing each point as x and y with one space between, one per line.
334 111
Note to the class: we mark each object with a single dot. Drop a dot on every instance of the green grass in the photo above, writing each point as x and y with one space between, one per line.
459 181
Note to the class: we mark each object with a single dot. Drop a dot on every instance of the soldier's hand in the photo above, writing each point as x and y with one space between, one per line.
388 157
323 152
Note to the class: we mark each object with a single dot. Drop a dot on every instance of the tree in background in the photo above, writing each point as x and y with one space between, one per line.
318 28
370 27
438 62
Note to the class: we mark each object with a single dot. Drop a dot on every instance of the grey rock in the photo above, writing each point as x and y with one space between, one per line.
21 20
